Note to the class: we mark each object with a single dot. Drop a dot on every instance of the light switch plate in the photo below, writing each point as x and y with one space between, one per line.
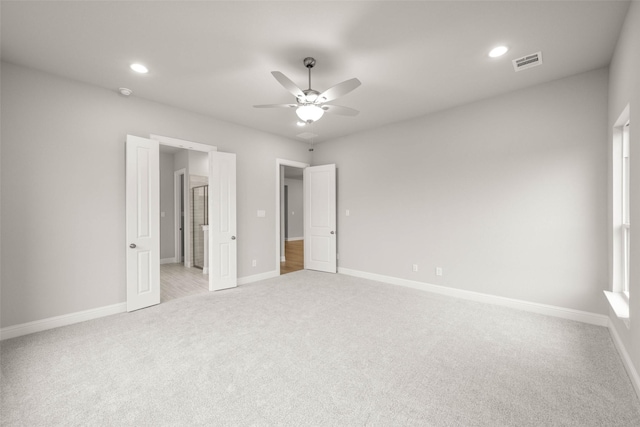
261 213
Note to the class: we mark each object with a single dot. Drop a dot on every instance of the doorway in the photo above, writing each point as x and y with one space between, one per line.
182 272
320 215
289 214
145 210
292 256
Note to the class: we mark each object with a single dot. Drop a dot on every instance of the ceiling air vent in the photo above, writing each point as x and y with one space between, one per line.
306 135
528 61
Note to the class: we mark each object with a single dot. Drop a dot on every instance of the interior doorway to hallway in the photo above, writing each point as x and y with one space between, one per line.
290 209
292 257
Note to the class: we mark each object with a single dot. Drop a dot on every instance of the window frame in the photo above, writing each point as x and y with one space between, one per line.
625 208
619 294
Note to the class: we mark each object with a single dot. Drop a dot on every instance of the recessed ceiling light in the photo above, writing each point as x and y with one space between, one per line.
498 51
139 68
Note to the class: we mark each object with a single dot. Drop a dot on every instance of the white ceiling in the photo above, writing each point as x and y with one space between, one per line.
215 58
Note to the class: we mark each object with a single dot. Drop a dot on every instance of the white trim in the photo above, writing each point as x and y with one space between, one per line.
626 359
181 143
168 261
257 277
549 310
293 239
283 259
64 320
282 162
619 302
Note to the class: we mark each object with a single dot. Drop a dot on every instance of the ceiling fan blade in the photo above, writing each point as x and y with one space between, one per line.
338 109
276 106
338 90
288 84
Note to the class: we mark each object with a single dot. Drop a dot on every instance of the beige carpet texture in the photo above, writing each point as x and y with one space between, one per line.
316 349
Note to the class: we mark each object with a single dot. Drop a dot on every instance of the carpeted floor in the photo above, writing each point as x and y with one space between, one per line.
315 349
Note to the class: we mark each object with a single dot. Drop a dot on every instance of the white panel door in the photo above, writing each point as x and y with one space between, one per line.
142 222
320 218
222 221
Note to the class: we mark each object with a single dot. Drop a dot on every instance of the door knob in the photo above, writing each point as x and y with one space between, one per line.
233 237
333 232
132 246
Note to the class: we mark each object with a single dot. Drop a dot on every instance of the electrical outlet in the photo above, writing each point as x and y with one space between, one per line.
438 271
415 267
254 263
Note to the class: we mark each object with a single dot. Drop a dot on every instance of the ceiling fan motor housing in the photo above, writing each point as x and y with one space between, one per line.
310 96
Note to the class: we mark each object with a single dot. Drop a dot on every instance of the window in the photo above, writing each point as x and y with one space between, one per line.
626 224
619 294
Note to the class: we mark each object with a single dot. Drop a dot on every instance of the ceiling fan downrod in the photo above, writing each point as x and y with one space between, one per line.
310 95
309 62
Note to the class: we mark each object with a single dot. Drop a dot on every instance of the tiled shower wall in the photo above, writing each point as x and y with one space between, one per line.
197 200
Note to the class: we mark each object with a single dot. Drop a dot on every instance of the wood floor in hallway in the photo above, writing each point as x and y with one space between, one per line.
294 255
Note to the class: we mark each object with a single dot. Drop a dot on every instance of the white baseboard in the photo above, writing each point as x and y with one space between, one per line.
283 259
168 261
81 316
64 320
293 239
205 270
549 310
257 277
626 359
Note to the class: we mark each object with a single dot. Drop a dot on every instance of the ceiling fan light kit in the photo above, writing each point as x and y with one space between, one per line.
309 113
310 104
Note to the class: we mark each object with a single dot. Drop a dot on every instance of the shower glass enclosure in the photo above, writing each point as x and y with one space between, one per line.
199 217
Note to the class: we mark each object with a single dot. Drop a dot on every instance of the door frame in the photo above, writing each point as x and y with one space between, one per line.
278 210
179 255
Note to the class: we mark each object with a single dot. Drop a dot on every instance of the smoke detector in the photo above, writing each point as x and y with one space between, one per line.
124 91
528 61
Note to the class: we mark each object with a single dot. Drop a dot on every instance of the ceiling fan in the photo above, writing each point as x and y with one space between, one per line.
310 104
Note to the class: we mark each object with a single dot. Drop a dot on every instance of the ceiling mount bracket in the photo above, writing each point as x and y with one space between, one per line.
309 62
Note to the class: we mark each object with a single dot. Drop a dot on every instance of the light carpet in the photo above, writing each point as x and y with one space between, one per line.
315 349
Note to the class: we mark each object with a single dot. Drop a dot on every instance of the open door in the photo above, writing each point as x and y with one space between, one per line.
320 218
142 222
223 272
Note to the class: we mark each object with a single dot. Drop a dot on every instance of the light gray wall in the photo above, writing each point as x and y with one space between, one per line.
624 88
181 161
198 163
167 203
63 222
507 195
295 213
